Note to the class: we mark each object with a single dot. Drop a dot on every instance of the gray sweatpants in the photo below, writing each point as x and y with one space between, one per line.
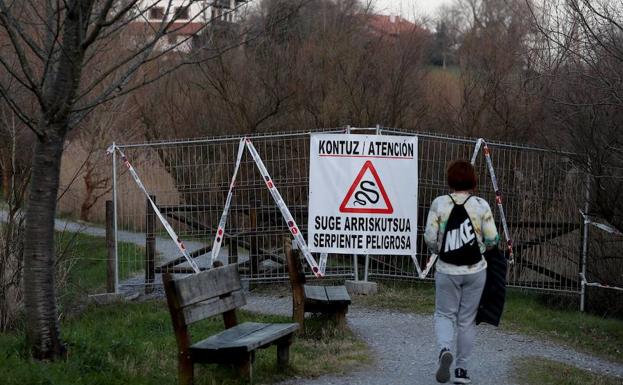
456 302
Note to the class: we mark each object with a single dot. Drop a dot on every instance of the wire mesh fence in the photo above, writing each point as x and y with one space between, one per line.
604 268
189 181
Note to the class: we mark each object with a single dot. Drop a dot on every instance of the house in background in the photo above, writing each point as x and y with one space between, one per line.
185 19
390 25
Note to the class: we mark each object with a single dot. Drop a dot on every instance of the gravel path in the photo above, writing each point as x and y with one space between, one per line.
164 245
166 249
403 347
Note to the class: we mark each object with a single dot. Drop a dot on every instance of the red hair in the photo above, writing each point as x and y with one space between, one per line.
461 176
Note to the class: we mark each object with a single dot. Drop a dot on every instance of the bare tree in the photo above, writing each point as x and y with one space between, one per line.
580 54
53 51
101 128
494 71
16 171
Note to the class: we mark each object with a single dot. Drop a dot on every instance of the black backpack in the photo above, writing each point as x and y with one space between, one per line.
460 245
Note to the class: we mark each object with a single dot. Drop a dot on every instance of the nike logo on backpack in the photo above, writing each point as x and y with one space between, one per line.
456 238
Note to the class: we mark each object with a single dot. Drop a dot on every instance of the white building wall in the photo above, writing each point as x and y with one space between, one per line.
200 11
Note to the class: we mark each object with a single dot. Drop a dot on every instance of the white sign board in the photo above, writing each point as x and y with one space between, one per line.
363 194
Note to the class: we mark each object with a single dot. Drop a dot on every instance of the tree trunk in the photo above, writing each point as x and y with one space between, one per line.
6 178
42 326
89 188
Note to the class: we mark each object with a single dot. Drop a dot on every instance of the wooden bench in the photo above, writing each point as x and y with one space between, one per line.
306 298
218 291
333 300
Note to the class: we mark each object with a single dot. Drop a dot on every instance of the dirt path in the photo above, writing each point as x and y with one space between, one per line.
403 347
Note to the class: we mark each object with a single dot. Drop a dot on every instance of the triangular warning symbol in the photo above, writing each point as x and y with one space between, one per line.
368 199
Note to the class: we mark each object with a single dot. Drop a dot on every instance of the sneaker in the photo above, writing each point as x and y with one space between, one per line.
461 377
445 361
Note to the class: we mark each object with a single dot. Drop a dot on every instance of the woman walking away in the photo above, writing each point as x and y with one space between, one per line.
459 228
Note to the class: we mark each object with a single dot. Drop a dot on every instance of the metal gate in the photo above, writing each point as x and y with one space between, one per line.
189 179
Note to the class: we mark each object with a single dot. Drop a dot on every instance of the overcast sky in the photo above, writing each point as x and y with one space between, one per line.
409 8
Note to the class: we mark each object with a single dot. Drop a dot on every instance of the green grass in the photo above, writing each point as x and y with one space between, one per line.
87 257
528 313
541 371
524 312
133 343
417 297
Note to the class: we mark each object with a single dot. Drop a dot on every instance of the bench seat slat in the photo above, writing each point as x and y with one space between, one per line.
267 335
247 336
337 294
203 310
315 293
227 337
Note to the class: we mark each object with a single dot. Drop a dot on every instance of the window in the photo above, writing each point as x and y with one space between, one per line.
156 13
181 13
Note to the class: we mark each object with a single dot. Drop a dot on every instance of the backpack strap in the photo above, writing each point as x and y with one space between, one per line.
453 201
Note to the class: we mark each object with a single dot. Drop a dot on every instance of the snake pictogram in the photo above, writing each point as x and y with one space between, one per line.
364 191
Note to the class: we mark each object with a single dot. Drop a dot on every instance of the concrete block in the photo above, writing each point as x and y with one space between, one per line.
361 287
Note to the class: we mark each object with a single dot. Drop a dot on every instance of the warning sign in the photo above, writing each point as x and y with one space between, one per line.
363 194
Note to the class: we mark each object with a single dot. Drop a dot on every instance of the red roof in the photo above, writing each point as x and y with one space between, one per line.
391 25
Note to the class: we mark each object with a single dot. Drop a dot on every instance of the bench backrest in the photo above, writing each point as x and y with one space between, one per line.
199 296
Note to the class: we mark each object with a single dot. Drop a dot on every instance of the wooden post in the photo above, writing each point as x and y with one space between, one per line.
246 367
340 318
230 319
233 251
182 337
150 246
254 240
283 352
297 279
110 246
232 255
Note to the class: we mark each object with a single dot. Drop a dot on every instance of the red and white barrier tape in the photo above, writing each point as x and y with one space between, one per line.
165 223
604 226
429 265
220 231
285 212
595 284
498 194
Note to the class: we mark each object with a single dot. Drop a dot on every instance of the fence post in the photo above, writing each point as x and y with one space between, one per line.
585 240
114 215
110 247
254 241
150 246
233 251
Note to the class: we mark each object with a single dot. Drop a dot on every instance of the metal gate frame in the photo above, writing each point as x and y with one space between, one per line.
545 222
